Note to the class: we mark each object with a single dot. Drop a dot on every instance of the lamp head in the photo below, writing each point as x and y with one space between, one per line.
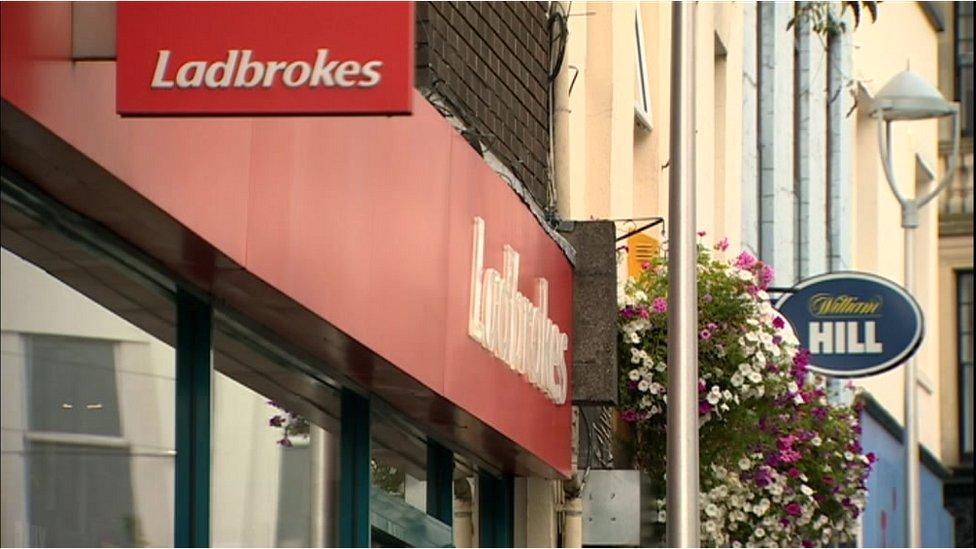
908 96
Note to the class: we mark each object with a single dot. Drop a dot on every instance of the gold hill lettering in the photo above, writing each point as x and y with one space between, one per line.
843 305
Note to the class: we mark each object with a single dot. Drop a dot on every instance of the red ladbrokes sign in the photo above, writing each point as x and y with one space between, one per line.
264 58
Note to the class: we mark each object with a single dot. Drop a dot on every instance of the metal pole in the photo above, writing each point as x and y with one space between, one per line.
909 221
682 444
913 534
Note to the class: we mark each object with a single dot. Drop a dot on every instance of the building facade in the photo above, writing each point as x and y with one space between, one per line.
260 329
786 165
257 329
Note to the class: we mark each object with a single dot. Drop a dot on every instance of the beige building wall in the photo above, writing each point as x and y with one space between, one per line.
956 253
901 38
608 165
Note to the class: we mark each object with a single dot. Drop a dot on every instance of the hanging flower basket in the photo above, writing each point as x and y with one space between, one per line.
780 465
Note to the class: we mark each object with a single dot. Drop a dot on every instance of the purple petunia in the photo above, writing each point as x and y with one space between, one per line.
778 323
794 509
762 477
659 305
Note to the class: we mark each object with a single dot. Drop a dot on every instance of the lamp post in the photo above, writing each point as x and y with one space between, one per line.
908 96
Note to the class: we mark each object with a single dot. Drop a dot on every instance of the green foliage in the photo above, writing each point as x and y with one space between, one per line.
825 21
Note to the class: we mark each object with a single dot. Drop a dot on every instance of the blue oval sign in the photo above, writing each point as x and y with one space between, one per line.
855 324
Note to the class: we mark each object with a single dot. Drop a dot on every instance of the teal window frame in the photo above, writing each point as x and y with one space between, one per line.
496 502
194 395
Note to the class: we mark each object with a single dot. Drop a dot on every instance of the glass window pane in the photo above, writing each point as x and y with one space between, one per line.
967 408
88 404
399 461
269 489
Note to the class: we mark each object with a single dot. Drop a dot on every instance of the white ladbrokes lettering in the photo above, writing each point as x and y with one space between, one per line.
508 324
239 70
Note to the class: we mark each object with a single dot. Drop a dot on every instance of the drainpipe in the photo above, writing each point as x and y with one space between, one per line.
572 512
463 527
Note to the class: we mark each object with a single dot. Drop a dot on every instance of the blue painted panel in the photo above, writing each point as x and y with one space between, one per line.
884 524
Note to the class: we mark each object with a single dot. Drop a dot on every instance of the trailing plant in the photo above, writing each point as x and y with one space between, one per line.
290 423
780 464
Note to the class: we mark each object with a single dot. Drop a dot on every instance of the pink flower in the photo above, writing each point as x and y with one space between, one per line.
766 276
707 298
701 233
794 509
705 334
789 455
722 245
778 323
745 261
659 305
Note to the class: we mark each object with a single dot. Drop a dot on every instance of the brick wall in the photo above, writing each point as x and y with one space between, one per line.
488 61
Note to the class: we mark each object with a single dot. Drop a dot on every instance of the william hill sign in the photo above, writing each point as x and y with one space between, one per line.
855 324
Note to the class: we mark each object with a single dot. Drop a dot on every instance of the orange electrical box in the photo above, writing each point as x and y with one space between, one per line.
641 248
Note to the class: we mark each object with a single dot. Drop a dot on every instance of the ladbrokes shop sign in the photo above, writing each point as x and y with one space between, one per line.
855 324
254 58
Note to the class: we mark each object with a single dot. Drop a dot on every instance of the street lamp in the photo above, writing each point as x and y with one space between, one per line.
908 96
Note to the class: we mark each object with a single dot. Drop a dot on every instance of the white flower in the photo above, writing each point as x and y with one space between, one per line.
662 516
807 491
635 355
713 398
755 377
737 379
798 399
745 275
727 394
792 387
759 532
655 388
745 368
643 386
634 375
848 456
634 338
711 510
745 464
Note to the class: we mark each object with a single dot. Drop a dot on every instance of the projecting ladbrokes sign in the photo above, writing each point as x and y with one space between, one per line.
855 324
206 58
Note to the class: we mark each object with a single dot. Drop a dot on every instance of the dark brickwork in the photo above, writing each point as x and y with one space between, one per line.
489 62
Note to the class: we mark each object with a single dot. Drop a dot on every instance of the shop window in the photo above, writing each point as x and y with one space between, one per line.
964 65
88 419
642 96
965 325
269 488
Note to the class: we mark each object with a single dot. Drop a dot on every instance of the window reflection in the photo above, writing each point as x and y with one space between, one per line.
87 417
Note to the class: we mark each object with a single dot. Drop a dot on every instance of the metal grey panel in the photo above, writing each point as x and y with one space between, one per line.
611 508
